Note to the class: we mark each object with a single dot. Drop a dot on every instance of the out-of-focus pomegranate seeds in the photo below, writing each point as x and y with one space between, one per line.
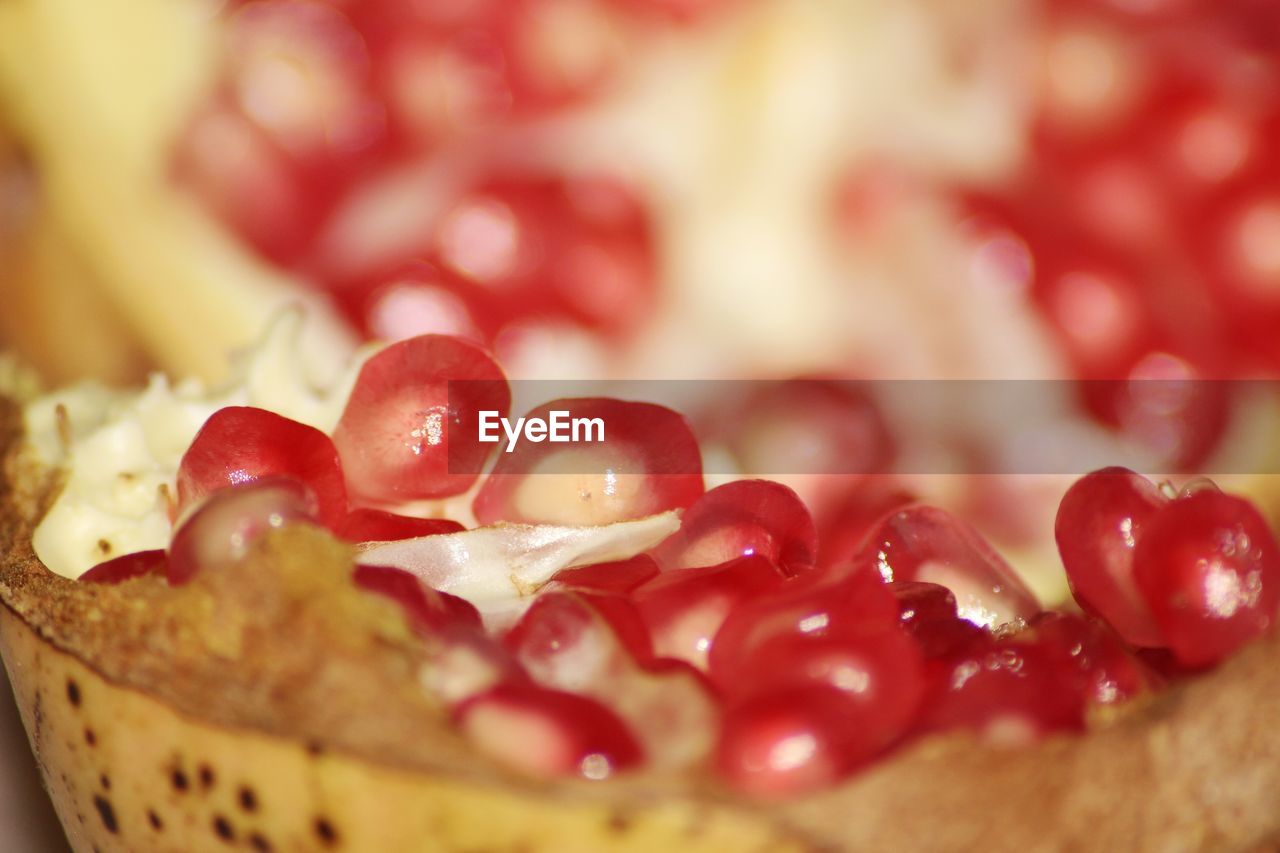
1100 520
410 428
463 662
685 608
809 426
1209 568
375 525
742 518
427 609
126 567
223 529
241 444
548 733
923 543
648 462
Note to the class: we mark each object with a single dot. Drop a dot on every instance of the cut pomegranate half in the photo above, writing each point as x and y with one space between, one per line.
411 425
242 444
1100 521
548 733
647 462
740 519
222 530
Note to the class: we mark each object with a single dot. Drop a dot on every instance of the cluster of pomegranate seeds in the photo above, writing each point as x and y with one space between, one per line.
321 100
1143 223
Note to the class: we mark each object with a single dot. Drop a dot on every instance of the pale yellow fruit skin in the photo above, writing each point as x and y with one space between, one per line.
113 757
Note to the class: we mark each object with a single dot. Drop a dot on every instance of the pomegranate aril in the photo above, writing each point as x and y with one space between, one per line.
590 644
242 444
127 567
1101 519
1209 568
375 525
1006 692
565 641
648 462
685 608
786 742
222 530
847 522
924 543
928 613
410 428
548 733
881 670
810 605
740 519
1108 672
621 577
809 426
428 610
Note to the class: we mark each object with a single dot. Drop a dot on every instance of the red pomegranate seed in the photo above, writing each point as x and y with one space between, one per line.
1209 568
1109 674
428 610
811 605
1100 520
410 428
127 567
880 669
222 530
621 577
786 742
548 733
809 426
923 543
1008 693
376 525
684 608
844 527
241 444
573 642
739 519
647 463
928 613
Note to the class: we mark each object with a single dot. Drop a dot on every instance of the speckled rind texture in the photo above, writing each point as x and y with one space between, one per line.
219 749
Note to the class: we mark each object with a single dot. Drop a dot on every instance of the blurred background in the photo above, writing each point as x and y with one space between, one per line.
919 189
